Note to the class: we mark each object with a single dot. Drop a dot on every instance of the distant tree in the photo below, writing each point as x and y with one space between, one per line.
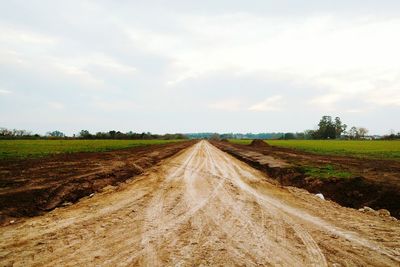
309 134
326 128
215 136
112 134
362 132
300 136
56 134
85 134
339 127
353 133
5 132
357 132
392 135
288 136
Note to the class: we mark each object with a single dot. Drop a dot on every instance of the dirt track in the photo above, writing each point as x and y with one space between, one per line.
202 206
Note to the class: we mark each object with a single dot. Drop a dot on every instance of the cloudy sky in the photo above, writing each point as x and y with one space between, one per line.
190 66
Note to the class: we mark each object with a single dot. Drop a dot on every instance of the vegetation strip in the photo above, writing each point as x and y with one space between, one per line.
376 149
11 149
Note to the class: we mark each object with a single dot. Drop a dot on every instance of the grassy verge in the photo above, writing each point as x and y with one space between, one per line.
363 148
40 148
325 172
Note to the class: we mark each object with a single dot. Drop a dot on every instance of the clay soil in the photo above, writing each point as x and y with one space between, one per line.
34 186
374 183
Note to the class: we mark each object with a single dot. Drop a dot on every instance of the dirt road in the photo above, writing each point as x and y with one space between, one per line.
202 207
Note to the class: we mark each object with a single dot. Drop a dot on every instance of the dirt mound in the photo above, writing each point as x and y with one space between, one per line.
258 143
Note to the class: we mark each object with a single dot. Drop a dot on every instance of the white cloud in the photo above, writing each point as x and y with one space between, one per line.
327 101
272 103
227 105
343 59
5 92
12 35
84 68
355 110
115 105
56 105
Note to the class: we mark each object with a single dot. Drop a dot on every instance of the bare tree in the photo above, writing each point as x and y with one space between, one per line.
353 133
362 131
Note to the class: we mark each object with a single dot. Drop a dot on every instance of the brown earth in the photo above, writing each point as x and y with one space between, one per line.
375 183
31 187
202 207
258 143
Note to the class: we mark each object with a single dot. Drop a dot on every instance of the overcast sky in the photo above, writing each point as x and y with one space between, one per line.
191 66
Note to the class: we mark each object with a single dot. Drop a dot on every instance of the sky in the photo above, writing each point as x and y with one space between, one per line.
199 66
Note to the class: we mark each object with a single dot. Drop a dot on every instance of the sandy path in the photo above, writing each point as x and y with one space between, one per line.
202 207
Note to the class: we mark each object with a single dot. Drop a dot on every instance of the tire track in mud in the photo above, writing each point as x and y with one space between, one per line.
315 255
282 209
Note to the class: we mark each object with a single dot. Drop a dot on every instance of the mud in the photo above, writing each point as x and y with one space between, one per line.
34 186
202 207
375 183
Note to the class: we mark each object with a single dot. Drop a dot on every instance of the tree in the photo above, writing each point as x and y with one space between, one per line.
326 128
56 134
309 134
85 134
353 133
289 136
215 137
339 127
362 131
5 132
112 133
300 136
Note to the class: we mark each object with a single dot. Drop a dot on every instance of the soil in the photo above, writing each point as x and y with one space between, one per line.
34 186
202 207
375 183
258 143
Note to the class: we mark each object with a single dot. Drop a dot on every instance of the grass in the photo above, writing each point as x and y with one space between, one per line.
325 172
377 149
40 148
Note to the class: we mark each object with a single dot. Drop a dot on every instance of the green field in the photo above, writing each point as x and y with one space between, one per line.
363 148
39 148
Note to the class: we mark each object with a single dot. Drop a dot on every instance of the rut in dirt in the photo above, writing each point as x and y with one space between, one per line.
203 207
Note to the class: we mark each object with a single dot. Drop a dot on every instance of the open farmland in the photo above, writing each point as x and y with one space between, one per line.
199 207
359 148
11 149
35 185
351 181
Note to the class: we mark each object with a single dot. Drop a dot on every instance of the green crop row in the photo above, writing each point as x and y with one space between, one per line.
360 148
39 148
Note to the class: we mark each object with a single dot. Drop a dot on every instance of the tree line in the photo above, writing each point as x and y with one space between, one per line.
327 128
85 134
